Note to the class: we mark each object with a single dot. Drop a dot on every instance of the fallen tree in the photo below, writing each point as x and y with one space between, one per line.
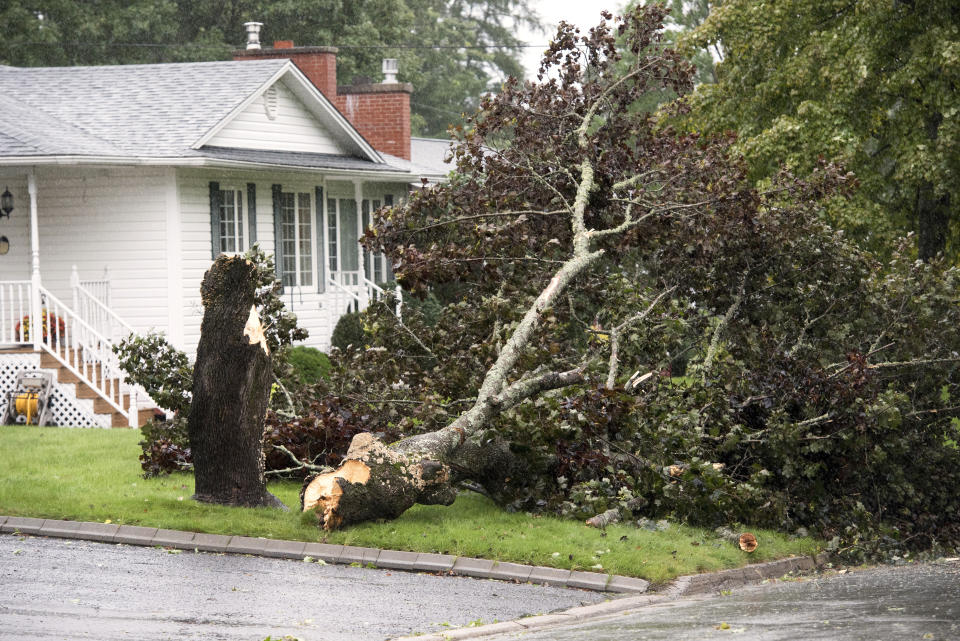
605 320
580 177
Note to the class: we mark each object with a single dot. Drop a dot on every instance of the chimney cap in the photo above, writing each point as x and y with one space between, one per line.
253 34
390 69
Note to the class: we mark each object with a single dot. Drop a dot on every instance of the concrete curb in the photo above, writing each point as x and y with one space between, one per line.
682 586
335 554
426 562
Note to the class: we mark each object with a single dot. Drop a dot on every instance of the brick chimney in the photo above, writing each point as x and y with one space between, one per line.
379 111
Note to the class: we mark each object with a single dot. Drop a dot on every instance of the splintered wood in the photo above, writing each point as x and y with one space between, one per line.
323 492
253 330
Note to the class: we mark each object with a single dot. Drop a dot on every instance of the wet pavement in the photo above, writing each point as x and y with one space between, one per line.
62 589
907 602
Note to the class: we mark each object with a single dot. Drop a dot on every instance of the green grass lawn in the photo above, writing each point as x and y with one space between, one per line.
94 475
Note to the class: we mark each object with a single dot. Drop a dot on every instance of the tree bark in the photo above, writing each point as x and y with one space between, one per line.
231 389
933 221
378 481
932 210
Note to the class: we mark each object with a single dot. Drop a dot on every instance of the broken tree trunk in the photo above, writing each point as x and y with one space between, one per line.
231 389
378 481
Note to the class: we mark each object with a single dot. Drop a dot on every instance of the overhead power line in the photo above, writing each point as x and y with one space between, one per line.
226 47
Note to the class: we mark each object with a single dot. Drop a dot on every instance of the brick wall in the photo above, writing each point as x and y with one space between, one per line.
381 113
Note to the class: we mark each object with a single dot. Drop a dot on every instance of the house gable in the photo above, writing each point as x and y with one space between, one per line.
288 114
277 120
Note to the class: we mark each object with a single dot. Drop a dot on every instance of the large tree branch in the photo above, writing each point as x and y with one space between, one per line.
724 323
497 214
523 389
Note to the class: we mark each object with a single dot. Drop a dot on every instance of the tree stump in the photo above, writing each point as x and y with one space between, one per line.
231 390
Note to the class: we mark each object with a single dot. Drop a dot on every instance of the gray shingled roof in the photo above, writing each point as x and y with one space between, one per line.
136 110
28 131
431 153
152 111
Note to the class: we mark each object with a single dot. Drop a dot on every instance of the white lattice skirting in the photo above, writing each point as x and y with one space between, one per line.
68 410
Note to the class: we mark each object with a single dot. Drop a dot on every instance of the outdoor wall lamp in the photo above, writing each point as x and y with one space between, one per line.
4 245
6 203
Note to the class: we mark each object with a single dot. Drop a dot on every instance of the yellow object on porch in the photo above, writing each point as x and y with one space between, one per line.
26 405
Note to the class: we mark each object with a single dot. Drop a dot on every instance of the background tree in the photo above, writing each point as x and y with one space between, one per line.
452 52
871 85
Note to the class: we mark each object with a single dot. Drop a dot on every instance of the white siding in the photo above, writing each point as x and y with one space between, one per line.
99 219
295 128
15 265
317 312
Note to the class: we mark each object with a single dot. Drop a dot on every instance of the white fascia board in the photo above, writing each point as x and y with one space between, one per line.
315 102
145 161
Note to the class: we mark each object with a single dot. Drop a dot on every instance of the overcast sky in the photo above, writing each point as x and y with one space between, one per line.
583 13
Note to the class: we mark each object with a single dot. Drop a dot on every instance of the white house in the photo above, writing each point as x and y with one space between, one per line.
126 181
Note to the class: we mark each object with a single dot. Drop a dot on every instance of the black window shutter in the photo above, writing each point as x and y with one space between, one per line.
214 219
277 244
252 212
321 250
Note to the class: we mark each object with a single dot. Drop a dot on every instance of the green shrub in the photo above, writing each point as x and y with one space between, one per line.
349 331
165 447
309 365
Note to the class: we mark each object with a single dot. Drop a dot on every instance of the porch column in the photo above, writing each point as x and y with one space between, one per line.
358 195
36 322
324 270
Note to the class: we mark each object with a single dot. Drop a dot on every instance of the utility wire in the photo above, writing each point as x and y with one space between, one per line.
226 47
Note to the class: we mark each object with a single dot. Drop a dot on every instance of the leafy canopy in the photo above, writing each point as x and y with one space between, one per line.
872 85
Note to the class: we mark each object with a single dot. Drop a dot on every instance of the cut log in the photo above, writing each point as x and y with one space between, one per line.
745 540
231 389
378 481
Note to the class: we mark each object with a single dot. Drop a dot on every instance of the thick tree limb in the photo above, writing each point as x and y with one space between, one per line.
724 322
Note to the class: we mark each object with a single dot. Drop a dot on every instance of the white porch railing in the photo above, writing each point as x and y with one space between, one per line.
355 292
69 337
91 302
14 307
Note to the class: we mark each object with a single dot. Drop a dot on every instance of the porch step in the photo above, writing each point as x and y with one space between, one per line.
16 350
84 391
143 418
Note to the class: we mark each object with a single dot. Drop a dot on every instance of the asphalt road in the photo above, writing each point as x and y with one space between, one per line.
61 589
905 603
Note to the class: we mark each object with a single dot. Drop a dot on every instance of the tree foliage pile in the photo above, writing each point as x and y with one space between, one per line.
739 360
